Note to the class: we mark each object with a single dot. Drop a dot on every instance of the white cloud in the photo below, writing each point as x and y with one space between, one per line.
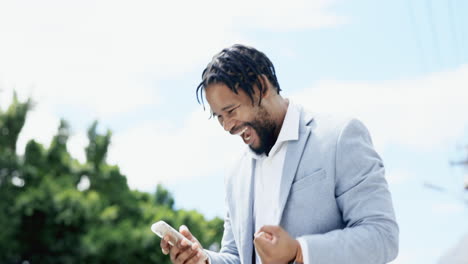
405 257
448 208
397 177
151 153
104 56
280 15
76 145
41 125
424 113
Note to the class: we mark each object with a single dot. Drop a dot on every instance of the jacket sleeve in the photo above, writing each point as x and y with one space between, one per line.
228 253
361 191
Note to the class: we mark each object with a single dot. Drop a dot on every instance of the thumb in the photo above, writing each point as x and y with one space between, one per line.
273 230
262 243
186 232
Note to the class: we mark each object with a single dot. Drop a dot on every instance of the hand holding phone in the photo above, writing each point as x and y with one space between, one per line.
162 229
182 248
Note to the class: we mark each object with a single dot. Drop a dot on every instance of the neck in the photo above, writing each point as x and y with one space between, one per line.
280 107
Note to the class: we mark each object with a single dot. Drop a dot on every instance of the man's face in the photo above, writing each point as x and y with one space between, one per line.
238 116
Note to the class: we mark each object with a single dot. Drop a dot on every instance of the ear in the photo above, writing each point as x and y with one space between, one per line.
265 84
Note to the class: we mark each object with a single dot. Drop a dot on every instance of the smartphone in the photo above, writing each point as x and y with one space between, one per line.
161 228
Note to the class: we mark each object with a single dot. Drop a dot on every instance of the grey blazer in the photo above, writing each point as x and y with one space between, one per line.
333 194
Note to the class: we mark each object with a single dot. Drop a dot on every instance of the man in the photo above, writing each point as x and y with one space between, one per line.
309 189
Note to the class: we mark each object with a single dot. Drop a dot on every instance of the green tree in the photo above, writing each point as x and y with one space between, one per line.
11 122
163 197
49 216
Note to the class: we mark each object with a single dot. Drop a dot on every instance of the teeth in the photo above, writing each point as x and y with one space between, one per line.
247 138
241 132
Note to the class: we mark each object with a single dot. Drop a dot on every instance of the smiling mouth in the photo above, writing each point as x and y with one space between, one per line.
245 136
241 132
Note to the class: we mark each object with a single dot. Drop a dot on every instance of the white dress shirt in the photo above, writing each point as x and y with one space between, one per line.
269 170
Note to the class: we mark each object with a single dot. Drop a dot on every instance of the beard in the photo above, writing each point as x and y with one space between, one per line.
265 129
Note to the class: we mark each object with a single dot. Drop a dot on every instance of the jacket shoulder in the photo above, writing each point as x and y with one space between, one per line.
326 124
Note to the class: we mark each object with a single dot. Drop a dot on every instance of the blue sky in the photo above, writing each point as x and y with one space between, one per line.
399 66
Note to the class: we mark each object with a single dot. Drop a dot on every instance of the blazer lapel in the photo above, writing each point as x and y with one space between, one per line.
246 211
291 162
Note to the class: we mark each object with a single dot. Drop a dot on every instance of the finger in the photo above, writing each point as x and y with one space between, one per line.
186 243
195 246
186 232
185 255
203 255
200 256
270 229
264 234
259 248
174 252
165 239
258 233
165 249
262 242
166 246
268 236
169 239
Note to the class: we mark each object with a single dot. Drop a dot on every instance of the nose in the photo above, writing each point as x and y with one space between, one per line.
227 125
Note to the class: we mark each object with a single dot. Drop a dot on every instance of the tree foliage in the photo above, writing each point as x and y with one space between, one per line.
50 215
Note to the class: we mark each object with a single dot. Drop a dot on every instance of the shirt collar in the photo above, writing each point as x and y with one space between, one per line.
289 130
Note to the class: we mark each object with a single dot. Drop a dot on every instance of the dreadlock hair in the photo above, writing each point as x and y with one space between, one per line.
239 67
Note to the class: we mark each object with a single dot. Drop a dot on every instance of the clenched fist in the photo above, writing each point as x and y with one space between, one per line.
275 246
